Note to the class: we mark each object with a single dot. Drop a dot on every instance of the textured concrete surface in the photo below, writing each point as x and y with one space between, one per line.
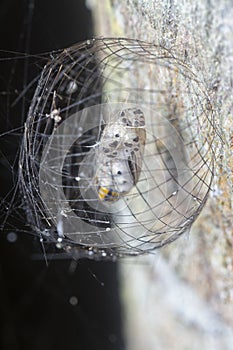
182 296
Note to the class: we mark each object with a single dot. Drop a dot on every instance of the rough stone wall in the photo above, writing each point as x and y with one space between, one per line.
182 296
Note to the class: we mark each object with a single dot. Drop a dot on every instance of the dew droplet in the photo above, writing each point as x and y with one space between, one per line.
73 300
12 237
72 87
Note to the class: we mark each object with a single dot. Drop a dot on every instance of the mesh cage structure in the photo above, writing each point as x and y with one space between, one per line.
82 95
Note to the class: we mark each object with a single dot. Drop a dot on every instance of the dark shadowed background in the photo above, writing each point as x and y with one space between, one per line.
62 305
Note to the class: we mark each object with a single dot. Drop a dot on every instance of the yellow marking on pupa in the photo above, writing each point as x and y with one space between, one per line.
107 195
